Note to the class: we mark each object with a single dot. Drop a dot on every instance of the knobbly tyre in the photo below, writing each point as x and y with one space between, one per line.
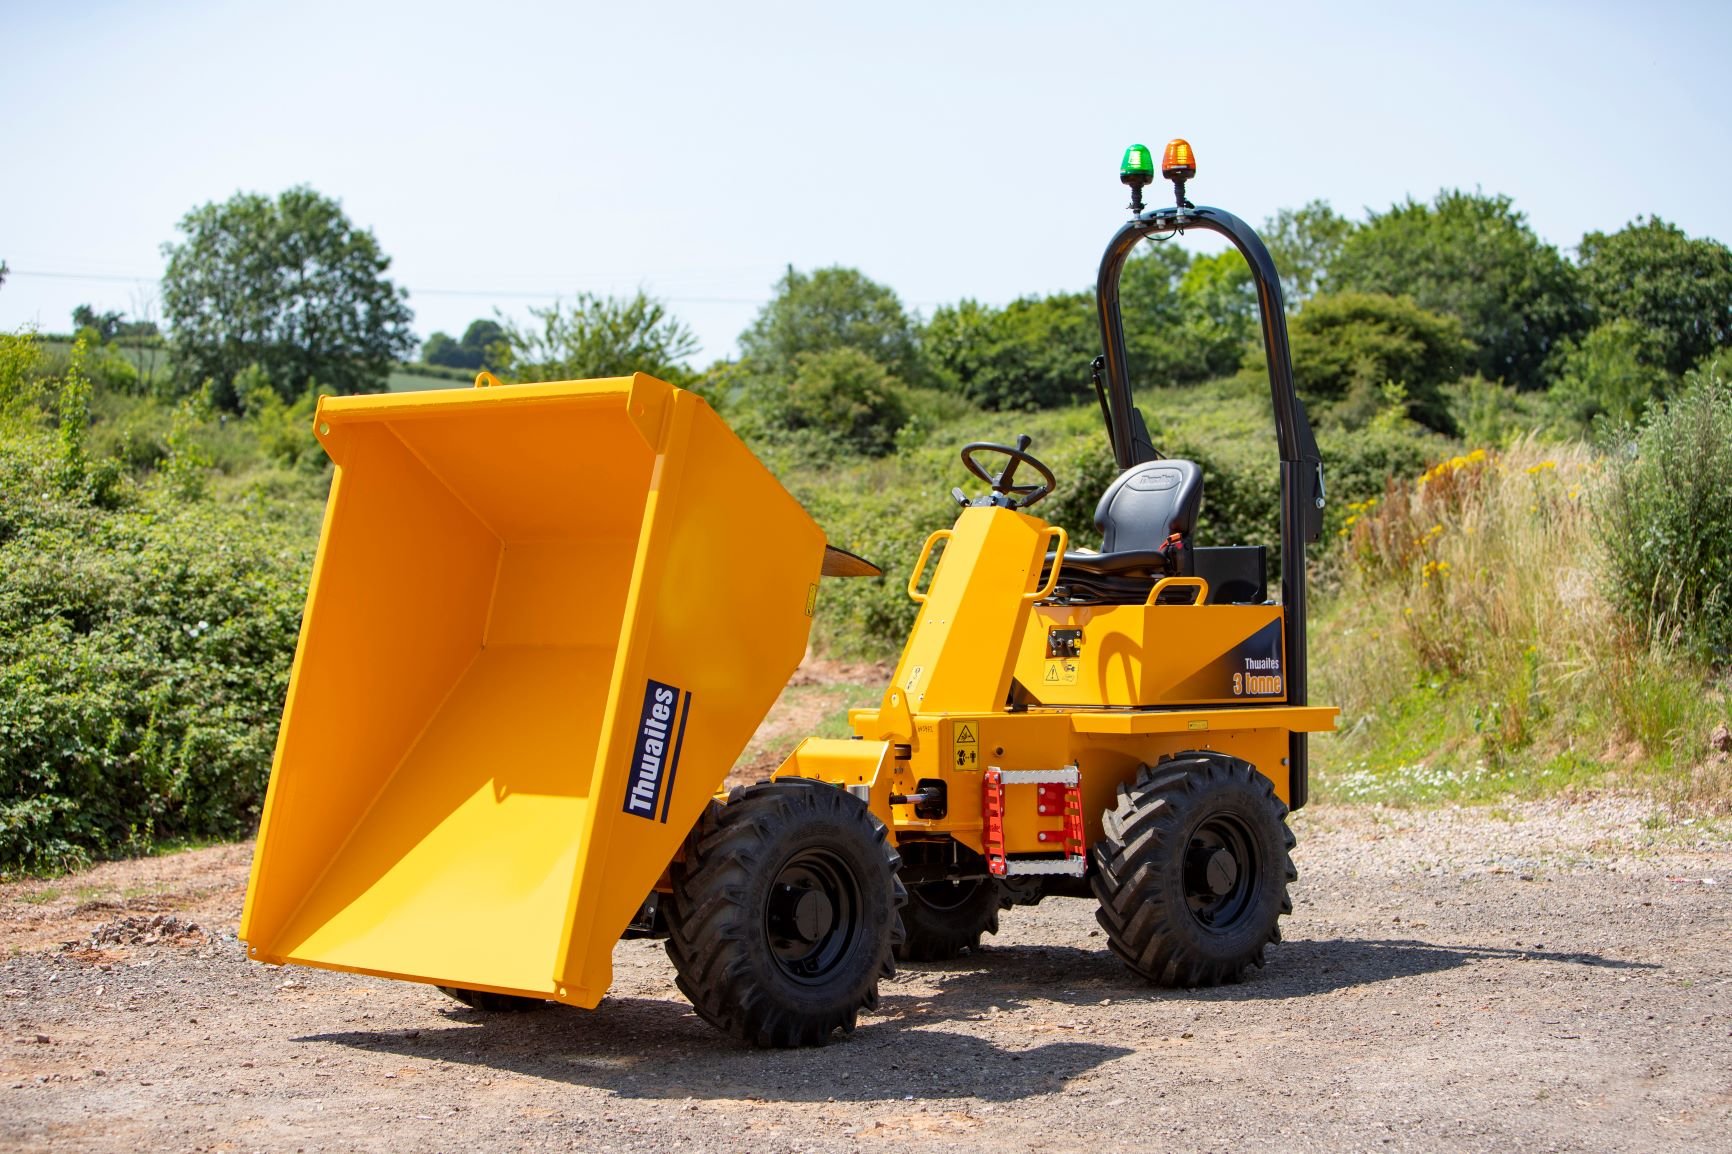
544 620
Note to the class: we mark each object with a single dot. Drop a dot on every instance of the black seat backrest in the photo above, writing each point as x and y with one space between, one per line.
1148 503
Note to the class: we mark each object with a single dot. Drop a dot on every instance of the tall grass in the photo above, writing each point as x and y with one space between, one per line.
1468 635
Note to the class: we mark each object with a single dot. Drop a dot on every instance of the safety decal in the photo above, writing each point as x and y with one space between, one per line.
661 731
965 745
1061 671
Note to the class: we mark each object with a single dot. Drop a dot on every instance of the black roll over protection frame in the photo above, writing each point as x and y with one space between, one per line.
1302 493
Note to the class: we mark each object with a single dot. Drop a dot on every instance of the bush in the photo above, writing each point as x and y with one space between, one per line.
1346 346
1493 414
1668 521
839 399
598 337
1357 466
144 655
1612 373
20 372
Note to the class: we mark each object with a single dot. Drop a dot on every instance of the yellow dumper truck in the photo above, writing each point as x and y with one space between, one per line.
544 621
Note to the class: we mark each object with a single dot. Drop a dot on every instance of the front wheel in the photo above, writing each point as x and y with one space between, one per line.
1191 870
784 913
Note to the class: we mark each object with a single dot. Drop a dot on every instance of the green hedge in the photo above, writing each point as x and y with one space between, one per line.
144 655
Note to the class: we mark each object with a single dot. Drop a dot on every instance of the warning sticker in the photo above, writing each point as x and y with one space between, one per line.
1060 672
965 745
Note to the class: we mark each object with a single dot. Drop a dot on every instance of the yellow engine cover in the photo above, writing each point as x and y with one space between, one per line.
1135 656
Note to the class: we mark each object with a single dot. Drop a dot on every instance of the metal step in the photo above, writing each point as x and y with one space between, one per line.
1068 801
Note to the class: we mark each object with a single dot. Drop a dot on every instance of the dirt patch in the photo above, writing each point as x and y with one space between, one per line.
203 885
1540 976
815 701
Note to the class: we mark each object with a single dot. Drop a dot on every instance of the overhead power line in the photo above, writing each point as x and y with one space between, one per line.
514 294
479 294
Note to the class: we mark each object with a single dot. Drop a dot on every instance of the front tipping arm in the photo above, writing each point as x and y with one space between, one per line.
1302 493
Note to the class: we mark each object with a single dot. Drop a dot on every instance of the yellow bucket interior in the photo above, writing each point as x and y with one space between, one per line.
502 572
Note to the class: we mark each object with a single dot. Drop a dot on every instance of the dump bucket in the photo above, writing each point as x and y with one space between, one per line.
544 620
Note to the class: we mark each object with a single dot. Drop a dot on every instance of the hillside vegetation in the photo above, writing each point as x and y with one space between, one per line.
1525 584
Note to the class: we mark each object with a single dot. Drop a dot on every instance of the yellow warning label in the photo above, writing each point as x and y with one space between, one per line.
1060 673
965 746
811 600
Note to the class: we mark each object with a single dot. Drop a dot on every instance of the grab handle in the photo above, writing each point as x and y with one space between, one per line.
1057 560
920 565
1165 583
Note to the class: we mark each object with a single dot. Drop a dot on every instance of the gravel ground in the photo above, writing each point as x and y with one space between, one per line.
1541 977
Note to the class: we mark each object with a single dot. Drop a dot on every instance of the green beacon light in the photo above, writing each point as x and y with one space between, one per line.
1137 169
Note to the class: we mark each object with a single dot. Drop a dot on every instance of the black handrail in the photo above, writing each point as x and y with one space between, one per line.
1301 465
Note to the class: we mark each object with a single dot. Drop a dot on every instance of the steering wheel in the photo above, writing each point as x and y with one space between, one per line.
1005 491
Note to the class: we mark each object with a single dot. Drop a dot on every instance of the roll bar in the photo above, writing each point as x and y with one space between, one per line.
1302 493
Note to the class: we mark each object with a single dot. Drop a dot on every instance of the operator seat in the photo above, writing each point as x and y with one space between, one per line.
1149 506
1146 518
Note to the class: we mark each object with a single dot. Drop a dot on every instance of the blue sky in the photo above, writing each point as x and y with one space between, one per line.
511 152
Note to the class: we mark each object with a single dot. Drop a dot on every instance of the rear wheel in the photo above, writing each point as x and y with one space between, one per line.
1191 870
493 1003
945 918
783 915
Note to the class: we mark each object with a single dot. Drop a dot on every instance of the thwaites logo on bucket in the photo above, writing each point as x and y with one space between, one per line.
661 730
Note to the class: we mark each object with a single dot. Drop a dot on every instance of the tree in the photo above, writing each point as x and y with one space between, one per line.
1474 257
599 337
1032 354
1219 307
1154 315
1653 274
106 326
442 349
1348 346
1304 243
832 308
472 352
288 284
1187 319
478 341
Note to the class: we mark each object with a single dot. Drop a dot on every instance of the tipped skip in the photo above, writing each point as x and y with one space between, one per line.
544 621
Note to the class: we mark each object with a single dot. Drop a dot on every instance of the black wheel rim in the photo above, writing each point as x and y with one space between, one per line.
812 916
1220 872
945 897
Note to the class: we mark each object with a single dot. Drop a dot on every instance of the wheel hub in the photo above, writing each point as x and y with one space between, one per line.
1219 867
1214 870
810 915
813 915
